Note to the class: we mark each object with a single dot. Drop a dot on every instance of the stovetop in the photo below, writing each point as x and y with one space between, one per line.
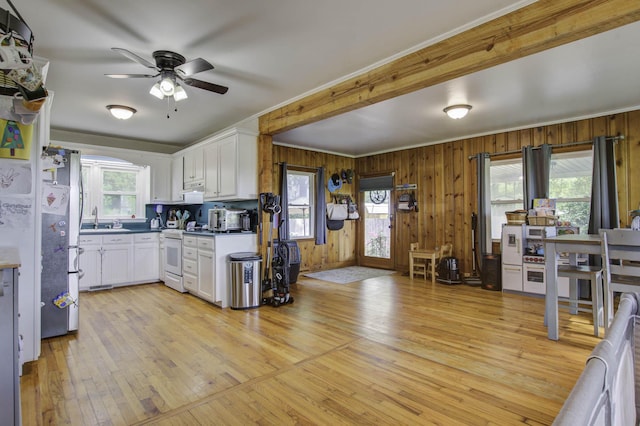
533 258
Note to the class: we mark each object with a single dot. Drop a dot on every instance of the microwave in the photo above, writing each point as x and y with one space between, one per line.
223 219
539 232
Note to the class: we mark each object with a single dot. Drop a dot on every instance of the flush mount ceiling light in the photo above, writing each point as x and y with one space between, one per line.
457 111
121 112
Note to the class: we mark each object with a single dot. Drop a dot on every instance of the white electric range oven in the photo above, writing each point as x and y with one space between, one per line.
173 259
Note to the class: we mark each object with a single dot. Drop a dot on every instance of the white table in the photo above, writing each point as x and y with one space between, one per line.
573 244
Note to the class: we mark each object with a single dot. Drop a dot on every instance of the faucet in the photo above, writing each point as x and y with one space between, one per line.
95 217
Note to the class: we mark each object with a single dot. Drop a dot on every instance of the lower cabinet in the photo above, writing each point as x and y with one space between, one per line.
146 257
118 259
198 266
204 263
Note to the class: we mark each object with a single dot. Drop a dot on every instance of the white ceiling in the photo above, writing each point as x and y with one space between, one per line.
271 51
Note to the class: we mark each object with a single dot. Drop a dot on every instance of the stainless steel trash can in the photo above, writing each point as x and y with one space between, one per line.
244 274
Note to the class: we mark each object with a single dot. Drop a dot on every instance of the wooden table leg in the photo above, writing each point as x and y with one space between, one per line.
433 269
411 265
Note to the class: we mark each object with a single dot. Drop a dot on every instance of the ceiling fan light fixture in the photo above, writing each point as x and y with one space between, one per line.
121 112
179 93
155 91
457 111
167 86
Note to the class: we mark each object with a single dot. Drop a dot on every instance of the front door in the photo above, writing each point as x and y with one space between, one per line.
377 233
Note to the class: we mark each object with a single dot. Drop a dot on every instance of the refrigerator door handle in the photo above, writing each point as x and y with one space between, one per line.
80 250
80 274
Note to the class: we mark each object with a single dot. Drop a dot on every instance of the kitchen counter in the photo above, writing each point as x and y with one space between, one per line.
9 257
103 231
218 234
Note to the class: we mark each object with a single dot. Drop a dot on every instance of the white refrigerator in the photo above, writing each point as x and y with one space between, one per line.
512 248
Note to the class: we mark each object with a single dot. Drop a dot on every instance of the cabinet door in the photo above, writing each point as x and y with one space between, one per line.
190 282
90 261
206 277
160 184
211 182
146 262
227 167
116 264
177 182
193 167
511 277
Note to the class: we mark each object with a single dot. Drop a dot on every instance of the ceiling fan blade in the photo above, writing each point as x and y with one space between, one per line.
216 88
193 67
131 75
134 57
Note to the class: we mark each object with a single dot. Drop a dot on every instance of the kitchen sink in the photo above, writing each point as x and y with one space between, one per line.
103 230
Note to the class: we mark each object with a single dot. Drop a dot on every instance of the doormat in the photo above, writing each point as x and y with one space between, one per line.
349 274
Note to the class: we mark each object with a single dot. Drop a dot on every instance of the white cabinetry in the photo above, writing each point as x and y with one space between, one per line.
204 263
90 261
206 269
117 267
161 260
190 264
118 259
193 172
160 184
198 266
177 183
146 257
231 167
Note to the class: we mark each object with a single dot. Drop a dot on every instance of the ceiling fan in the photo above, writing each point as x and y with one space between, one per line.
172 68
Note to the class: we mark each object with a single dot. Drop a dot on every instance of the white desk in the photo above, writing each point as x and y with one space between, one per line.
572 244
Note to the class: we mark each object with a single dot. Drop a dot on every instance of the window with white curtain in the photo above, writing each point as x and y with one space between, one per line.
118 189
301 203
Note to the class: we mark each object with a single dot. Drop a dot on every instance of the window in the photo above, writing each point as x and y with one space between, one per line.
301 203
506 192
570 184
116 188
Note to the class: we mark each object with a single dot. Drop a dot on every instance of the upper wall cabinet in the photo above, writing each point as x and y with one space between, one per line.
177 182
193 172
231 171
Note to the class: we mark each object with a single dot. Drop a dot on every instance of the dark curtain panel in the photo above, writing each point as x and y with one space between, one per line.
604 191
321 209
284 203
483 227
536 163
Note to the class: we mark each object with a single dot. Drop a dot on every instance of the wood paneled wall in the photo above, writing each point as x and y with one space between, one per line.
446 178
340 249
447 189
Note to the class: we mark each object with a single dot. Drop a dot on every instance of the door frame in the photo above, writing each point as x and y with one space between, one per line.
377 262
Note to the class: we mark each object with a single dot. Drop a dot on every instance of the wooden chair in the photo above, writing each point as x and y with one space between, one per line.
417 265
594 275
621 263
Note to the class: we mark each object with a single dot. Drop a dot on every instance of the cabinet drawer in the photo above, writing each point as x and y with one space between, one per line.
189 241
190 266
205 243
190 282
86 240
117 239
150 237
189 252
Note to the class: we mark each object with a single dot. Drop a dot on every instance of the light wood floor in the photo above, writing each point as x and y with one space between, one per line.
381 351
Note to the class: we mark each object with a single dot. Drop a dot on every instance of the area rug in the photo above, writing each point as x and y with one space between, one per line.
348 274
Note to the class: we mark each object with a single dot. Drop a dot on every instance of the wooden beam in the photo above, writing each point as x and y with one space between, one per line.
532 29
